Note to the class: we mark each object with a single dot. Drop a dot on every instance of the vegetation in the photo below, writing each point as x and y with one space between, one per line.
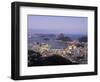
35 59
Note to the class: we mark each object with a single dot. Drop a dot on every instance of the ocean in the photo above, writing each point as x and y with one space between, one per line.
50 39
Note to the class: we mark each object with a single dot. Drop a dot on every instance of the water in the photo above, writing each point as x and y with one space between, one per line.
49 39
55 44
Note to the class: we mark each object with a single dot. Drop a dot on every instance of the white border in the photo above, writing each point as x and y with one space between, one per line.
25 70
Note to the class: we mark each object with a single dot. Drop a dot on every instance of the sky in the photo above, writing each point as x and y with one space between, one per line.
57 24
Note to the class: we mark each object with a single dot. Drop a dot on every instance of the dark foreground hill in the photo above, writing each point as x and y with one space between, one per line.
35 59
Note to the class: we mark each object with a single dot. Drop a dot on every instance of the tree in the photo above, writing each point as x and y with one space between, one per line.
34 58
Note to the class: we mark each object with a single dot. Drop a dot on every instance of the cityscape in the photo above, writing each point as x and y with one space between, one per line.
57 46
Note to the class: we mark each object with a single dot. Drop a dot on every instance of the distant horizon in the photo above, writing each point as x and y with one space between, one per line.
59 33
